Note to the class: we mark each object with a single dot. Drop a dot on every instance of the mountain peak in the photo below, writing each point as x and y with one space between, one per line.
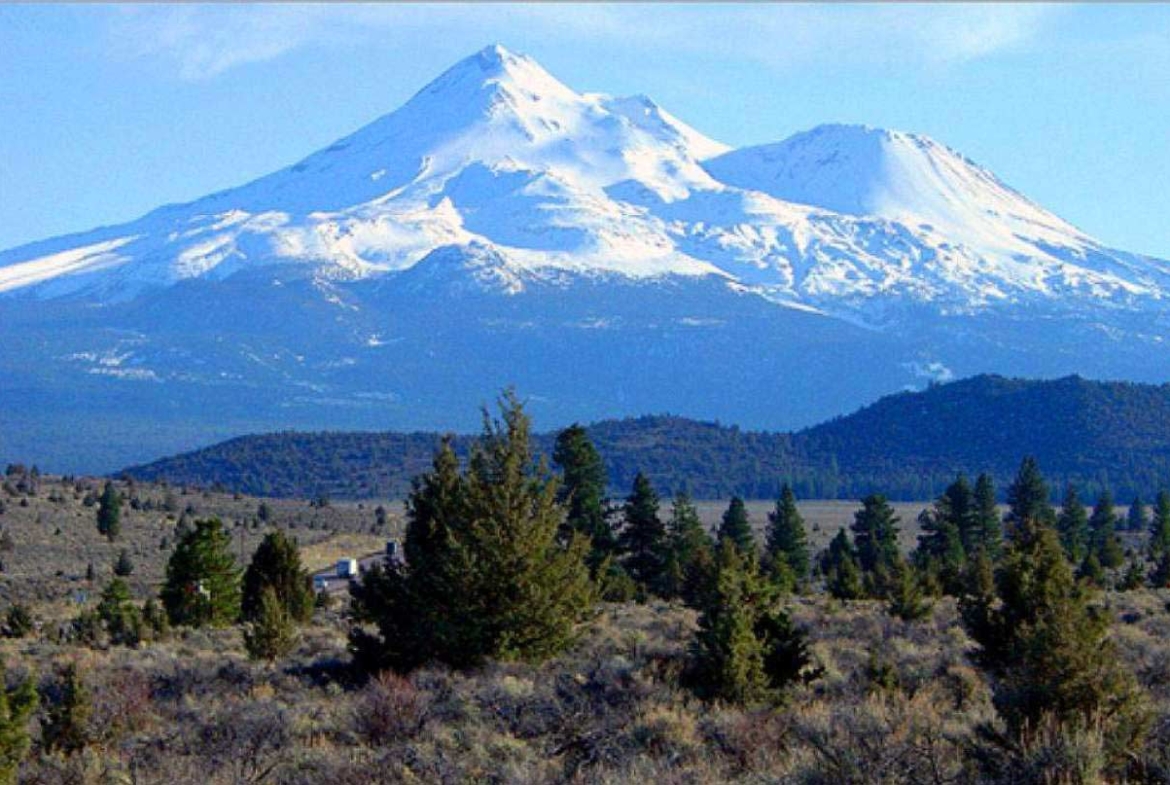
909 178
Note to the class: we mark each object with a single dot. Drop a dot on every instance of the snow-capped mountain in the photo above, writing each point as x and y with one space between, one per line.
500 227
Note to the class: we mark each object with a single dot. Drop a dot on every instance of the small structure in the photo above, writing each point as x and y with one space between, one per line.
393 552
347 568
320 583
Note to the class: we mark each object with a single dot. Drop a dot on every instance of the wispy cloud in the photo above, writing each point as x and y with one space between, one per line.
201 42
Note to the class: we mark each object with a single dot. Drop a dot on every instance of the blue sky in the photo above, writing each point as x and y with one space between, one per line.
108 111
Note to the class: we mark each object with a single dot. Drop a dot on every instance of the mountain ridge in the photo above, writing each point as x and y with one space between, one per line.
567 225
908 445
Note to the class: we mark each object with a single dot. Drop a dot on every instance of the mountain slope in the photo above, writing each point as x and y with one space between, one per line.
501 228
908 445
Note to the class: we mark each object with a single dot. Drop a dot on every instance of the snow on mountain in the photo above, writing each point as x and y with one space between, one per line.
498 154
500 228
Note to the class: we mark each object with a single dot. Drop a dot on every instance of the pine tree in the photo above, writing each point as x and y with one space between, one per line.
736 528
1028 499
839 566
109 512
203 583
583 492
690 552
276 565
16 707
946 529
1047 650
906 599
940 554
1136 519
987 526
1134 577
1160 577
787 543
746 650
121 617
271 633
1103 539
486 574
875 536
1073 526
1160 526
123 567
65 726
643 538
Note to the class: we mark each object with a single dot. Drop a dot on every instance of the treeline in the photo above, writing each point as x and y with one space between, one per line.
907 446
506 558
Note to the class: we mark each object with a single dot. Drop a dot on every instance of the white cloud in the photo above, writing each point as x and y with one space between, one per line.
201 42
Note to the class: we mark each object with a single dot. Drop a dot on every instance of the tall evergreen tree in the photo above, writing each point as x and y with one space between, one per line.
1073 526
1047 650
987 524
17 705
272 632
276 565
691 555
737 528
787 543
486 573
875 536
1028 498
957 505
583 491
841 570
1136 519
109 512
940 554
1104 542
746 650
203 583
1160 526
643 538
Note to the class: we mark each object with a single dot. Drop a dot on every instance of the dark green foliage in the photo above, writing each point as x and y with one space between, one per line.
1091 572
109 512
875 538
787 543
65 725
16 707
1047 650
154 616
747 649
907 601
1134 577
948 529
1160 576
614 584
1073 526
122 619
1103 539
203 583
486 574
583 491
690 553
1137 519
736 528
18 622
643 538
908 445
1028 498
842 573
986 526
1160 526
271 632
123 567
276 565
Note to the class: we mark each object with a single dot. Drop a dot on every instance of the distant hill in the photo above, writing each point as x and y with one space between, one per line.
908 445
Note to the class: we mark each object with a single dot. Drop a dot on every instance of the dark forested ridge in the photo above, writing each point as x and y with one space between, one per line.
907 445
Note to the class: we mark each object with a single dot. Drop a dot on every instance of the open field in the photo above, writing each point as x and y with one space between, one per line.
52 536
